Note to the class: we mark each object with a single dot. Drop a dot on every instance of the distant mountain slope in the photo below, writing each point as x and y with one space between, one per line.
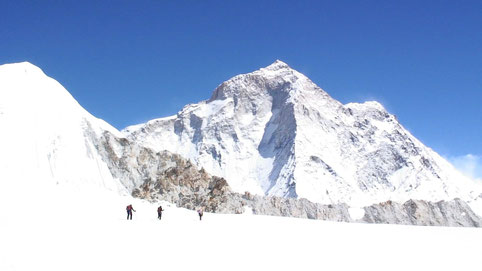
274 132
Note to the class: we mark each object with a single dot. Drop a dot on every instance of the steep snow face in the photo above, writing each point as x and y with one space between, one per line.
274 132
46 135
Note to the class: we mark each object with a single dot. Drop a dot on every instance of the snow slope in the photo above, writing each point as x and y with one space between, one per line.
100 238
274 132
44 139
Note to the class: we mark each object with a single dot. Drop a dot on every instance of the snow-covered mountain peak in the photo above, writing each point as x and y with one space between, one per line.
29 83
26 89
21 69
276 80
277 65
274 132
54 134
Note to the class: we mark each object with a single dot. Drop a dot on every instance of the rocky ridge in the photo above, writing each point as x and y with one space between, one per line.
164 176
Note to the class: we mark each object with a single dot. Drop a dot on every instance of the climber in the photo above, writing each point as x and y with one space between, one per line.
200 212
129 209
159 212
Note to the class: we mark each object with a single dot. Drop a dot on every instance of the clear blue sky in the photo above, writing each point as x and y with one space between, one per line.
130 61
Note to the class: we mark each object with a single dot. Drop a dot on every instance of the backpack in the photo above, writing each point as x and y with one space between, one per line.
129 207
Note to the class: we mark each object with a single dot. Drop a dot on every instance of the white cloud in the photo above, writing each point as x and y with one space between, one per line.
470 165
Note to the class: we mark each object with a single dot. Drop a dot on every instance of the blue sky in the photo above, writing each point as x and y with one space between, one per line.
130 61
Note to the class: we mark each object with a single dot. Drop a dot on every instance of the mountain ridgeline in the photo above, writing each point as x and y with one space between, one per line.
268 142
274 132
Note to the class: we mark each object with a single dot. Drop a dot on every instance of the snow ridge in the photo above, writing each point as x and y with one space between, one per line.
43 138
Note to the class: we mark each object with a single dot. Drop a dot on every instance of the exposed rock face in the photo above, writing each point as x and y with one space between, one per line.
301 208
419 212
156 176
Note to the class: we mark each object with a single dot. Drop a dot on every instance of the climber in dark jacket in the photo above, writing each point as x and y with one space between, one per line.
159 212
129 209
200 212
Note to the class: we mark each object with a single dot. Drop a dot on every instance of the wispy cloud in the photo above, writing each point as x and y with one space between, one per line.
470 165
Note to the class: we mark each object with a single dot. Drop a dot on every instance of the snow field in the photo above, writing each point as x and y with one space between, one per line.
69 229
